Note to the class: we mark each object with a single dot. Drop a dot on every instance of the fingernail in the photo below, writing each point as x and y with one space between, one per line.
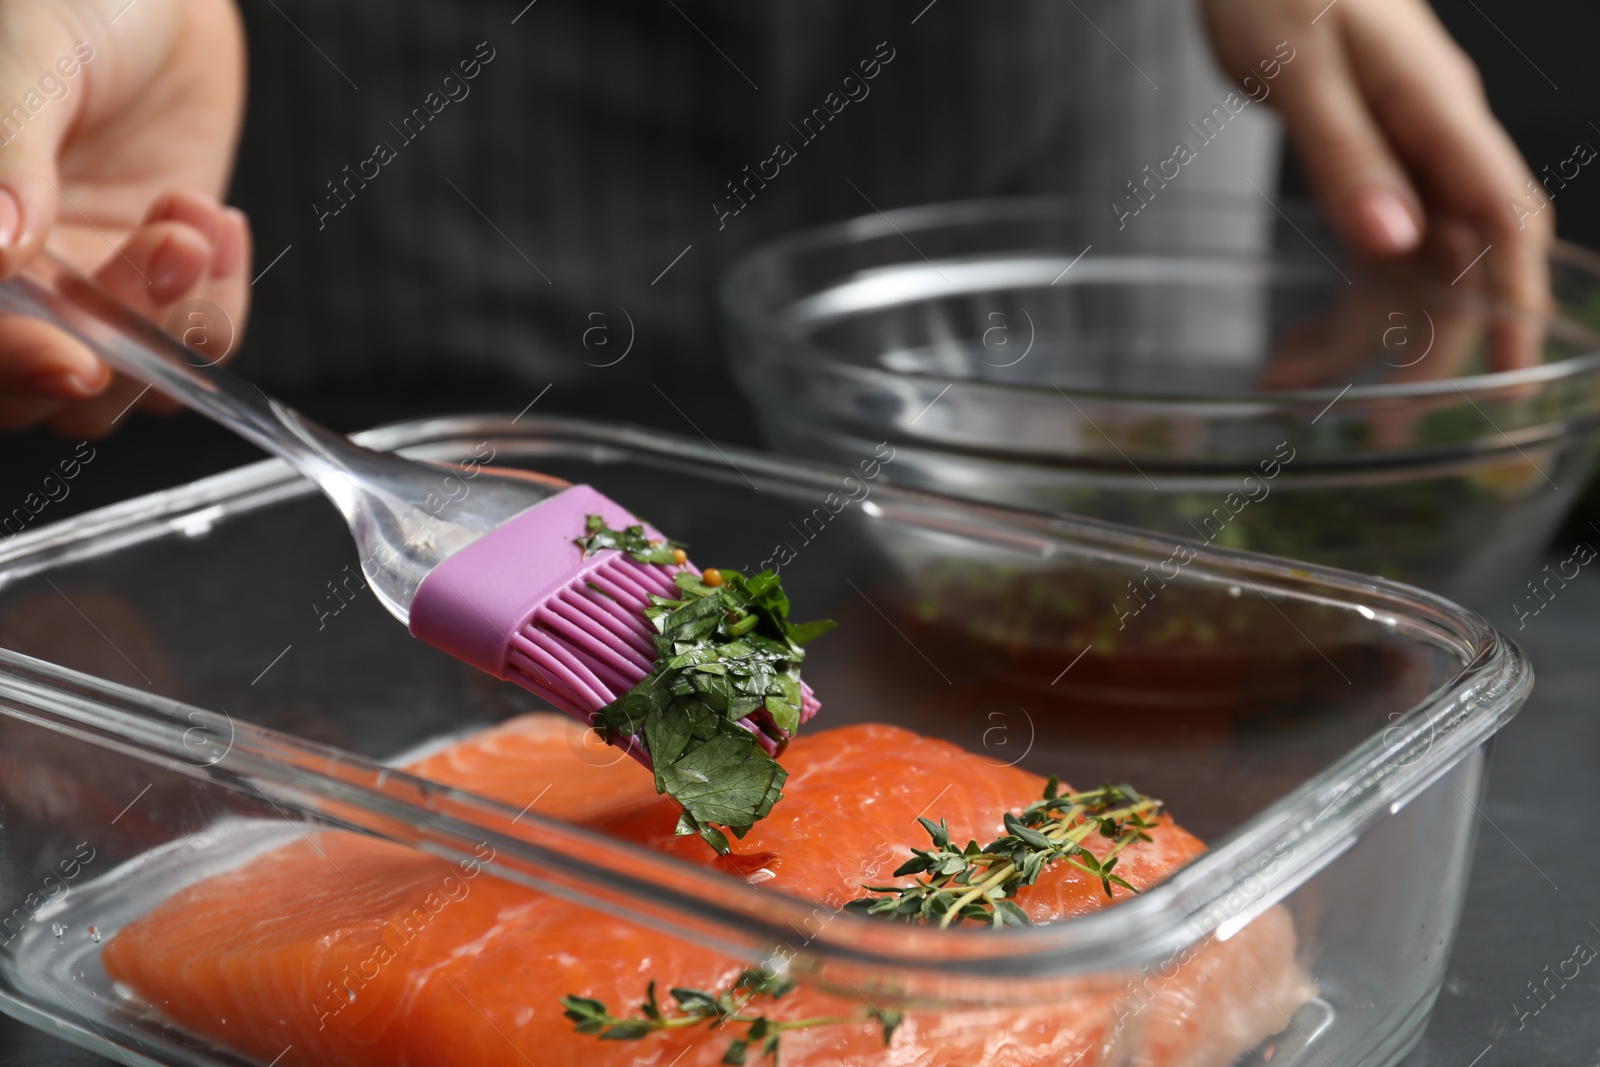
10 216
64 384
1390 221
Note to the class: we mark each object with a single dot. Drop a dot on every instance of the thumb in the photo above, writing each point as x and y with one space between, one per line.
41 93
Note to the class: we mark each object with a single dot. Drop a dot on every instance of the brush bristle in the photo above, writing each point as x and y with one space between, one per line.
527 602
590 643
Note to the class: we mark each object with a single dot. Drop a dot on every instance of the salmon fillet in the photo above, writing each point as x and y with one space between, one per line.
344 949
552 764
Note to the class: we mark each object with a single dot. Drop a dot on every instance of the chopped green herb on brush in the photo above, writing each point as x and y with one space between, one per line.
724 696
633 540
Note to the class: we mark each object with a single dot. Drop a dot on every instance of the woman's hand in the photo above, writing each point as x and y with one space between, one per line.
1390 120
118 122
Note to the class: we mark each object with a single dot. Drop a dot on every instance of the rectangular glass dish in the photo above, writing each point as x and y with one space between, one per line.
192 677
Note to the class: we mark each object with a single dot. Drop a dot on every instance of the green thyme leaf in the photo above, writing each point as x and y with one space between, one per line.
651 1007
695 1001
1029 836
729 1009
936 830
890 1019
976 883
767 985
1008 911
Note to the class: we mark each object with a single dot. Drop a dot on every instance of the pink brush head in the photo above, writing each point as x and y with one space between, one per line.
525 604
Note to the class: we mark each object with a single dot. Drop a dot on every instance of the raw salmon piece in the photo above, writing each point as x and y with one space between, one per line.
390 956
849 818
442 966
1206 1006
511 988
270 954
553 764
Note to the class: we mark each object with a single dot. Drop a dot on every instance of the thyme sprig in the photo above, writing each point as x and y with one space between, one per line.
970 883
979 883
729 1008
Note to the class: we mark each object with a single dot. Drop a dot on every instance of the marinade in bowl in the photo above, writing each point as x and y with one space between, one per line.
198 685
1214 369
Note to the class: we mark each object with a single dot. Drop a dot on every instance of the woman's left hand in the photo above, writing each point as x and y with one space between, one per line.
1390 120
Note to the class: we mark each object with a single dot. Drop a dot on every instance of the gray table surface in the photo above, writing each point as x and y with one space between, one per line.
1535 891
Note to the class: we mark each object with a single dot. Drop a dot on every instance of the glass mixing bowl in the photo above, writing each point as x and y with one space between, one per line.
1212 369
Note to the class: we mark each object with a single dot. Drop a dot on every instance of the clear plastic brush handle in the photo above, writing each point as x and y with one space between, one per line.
406 516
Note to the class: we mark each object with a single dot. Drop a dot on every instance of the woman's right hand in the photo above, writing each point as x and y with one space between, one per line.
118 122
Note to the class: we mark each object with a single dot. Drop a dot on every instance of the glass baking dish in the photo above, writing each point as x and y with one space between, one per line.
203 659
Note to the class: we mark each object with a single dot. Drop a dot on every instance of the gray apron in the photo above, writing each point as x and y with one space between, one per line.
585 175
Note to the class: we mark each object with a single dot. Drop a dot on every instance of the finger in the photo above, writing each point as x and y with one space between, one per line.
189 249
196 209
1515 336
42 99
1332 348
159 263
29 181
90 407
1296 361
41 360
40 364
230 259
1439 329
163 271
95 418
1455 330
156 266
1430 101
1447 333
1516 339
1356 177
214 333
229 282
1318 352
